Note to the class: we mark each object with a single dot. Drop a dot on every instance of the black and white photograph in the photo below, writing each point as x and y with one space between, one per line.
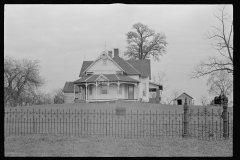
118 80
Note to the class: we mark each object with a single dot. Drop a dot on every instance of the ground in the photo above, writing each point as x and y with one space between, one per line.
65 146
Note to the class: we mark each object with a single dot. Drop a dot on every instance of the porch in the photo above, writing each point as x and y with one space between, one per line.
107 101
104 88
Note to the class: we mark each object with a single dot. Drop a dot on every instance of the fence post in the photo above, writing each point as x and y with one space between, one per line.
185 120
225 116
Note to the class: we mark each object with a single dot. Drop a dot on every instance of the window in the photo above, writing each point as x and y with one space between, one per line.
120 89
152 90
104 89
144 89
90 90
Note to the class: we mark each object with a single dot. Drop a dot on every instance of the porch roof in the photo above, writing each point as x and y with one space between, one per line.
110 77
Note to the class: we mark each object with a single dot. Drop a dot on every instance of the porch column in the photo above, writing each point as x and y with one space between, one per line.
138 90
118 90
133 92
74 91
96 89
86 91
108 90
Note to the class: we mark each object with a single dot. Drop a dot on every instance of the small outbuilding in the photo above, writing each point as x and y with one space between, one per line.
180 100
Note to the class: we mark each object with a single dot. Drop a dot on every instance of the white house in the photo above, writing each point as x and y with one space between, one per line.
111 78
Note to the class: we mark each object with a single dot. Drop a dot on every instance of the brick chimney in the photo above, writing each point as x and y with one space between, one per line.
116 52
110 54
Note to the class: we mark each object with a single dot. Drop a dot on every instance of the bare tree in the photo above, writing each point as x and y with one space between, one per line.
20 76
139 45
222 41
162 79
203 100
175 93
220 82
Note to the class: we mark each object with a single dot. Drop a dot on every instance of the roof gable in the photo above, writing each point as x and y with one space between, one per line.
183 94
130 67
103 55
101 77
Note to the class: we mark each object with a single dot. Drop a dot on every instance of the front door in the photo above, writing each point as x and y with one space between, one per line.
130 91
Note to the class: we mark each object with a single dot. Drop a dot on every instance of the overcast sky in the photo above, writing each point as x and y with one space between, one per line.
60 35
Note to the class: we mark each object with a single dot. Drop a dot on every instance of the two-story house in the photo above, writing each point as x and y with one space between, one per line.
111 78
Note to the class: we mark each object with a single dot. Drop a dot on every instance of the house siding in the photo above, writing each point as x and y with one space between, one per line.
99 68
140 94
69 97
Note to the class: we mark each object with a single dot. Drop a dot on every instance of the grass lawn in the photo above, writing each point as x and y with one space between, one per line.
67 146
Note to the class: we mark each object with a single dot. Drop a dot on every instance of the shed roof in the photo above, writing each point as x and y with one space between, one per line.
182 94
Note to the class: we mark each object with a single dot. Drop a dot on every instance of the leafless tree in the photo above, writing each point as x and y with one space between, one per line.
161 80
20 76
220 82
175 93
222 41
203 100
141 47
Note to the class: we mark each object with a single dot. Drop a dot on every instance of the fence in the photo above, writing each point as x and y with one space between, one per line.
204 125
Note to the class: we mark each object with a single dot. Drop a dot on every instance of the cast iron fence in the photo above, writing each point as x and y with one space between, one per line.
204 125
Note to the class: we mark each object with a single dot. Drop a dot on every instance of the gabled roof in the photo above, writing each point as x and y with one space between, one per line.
108 57
85 65
131 67
182 94
143 66
69 88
